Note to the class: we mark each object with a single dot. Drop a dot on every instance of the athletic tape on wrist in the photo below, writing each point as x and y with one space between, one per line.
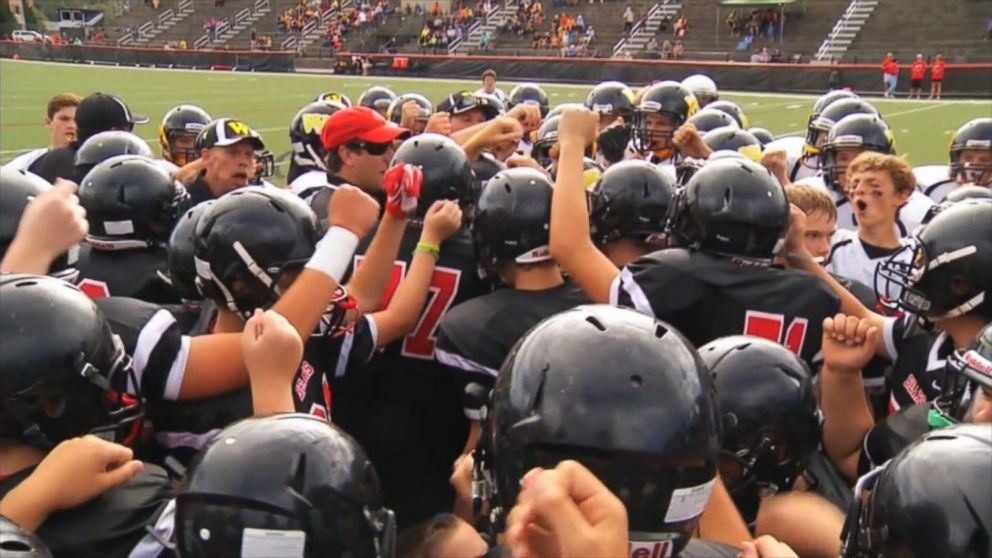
333 254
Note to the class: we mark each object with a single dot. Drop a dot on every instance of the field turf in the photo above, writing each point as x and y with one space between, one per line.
267 102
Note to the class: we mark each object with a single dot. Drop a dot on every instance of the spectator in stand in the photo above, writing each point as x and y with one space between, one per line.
890 74
652 46
937 77
734 23
681 26
916 73
678 51
628 19
666 50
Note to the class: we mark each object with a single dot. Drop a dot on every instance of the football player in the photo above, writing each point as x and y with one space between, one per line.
703 87
848 138
729 224
629 210
529 94
561 396
489 87
545 153
192 318
402 407
510 230
662 109
805 161
284 481
467 109
100 147
410 111
611 100
307 168
63 374
970 156
131 205
733 110
707 120
946 512
177 134
60 120
377 98
333 97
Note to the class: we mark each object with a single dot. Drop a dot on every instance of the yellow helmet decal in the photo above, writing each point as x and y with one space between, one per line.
693 103
314 122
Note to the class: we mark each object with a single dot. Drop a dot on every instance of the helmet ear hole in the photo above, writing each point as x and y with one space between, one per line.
961 286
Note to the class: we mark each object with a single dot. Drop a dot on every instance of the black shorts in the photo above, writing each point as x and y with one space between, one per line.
937 80
916 83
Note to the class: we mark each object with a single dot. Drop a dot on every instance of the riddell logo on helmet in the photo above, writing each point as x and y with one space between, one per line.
650 549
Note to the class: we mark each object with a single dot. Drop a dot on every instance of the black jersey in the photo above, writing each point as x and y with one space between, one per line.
403 407
111 525
475 336
58 163
327 358
706 298
895 432
141 273
919 357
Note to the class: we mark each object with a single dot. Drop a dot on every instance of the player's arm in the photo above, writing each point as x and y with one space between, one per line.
368 283
848 345
721 521
571 244
443 219
272 352
798 257
51 224
493 132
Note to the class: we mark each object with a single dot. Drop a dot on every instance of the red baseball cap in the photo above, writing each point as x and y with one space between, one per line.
359 123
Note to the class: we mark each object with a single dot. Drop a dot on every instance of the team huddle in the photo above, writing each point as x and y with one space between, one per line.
636 326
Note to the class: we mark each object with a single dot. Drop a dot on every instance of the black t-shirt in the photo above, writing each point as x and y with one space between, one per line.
919 358
475 336
57 163
111 525
403 407
706 298
140 273
895 432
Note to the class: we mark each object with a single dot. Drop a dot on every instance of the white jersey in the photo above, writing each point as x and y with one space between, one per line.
793 147
497 93
910 215
169 166
849 259
935 181
25 160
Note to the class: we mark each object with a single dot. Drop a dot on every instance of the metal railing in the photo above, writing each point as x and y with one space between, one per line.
242 15
165 17
185 5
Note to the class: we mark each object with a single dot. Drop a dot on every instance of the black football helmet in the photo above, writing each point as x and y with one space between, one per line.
17 189
861 131
734 140
933 499
611 99
763 135
731 208
16 542
771 423
668 98
967 370
631 200
63 373
181 120
962 193
100 147
950 271
447 170
304 136
283 481
333 97
819 127
130 202
395 111
826 100
463 101
485 167
648 429
247 241
711 119
734 111
529 94
377 98
544 138
975 134
182 264
512 217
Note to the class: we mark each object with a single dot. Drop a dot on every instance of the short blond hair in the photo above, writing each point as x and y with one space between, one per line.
811 199
897 168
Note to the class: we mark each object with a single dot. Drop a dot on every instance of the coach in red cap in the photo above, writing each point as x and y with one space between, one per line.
359 146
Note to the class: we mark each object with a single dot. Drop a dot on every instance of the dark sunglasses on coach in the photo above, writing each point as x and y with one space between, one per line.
370 148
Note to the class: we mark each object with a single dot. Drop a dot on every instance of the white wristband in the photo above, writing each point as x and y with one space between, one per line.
333 254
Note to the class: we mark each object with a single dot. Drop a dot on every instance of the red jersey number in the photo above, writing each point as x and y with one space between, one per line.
771 326
420 342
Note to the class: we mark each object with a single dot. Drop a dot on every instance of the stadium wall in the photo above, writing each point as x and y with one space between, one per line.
961 80
255 61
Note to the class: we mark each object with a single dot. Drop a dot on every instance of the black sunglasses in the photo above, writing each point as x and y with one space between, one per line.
370 148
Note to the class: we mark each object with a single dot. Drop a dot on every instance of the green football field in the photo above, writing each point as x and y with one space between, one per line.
267 102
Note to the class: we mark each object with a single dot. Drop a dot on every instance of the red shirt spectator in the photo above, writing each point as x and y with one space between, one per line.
937 73
890 67
918 69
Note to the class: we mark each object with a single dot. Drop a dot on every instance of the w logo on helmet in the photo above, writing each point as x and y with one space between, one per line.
693 104
313 123
237 127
